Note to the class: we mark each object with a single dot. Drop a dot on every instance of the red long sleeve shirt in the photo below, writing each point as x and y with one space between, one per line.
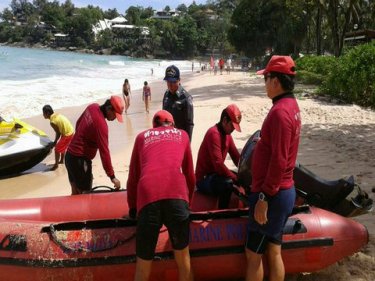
91 135
161 167
275 154
212 153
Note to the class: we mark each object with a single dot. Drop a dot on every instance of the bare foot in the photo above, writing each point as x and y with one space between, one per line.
54 167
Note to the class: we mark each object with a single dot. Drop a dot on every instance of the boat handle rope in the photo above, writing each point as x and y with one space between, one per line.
68 248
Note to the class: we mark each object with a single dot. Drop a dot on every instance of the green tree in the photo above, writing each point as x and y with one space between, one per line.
187 37
146 13
133 15
53 14
104 39
168 36
80 25
7 15
111 13
275 25
340 15
182 8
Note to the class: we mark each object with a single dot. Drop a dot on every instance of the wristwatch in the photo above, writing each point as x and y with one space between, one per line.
262 197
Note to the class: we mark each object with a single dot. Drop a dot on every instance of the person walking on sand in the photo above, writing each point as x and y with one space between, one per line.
178 101
146 96
64 133
272 195
92 135
221 65
213 176
126 94
160 186
216 66
229 65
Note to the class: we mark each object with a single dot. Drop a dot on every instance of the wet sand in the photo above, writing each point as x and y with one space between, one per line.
337 141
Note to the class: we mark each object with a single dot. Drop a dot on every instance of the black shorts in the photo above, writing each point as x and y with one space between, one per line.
280 207
174 214
79 171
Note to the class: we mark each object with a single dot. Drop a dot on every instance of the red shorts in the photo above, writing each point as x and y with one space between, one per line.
63 143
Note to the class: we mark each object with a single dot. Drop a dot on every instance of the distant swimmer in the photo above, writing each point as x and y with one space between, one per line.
146 96
92 135
64 133
126 94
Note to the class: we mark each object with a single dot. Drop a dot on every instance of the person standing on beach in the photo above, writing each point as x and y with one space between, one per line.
178 101
126 94
216 66
213 176
146 97
221 65
229 65
160 186
273 194
64 133
92 135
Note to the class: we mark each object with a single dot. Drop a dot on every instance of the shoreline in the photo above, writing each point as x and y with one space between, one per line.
69 78
336 141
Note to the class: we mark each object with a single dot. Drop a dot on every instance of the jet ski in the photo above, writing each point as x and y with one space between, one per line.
342 196
21 147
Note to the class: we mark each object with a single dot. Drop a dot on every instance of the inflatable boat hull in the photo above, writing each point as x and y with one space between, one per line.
37 244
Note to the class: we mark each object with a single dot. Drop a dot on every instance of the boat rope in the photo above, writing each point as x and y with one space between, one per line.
66 247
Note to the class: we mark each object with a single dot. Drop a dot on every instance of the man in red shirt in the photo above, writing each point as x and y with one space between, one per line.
160 186
92 135
272 192
213 176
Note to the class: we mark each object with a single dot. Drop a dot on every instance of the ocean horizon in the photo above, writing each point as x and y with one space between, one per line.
31 78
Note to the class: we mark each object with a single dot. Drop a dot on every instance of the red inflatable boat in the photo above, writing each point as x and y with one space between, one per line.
84 237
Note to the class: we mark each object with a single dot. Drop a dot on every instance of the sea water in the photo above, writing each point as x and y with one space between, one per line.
31 78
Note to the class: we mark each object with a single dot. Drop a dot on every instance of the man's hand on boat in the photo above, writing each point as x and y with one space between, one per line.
116 183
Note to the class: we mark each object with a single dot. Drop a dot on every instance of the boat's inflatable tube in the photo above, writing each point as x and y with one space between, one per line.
341 196
36 243
21 147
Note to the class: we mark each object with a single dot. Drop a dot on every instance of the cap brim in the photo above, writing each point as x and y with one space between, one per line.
119 117
170 79
261 72
236 127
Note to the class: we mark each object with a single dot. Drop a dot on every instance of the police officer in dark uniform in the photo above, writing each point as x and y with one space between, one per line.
178 101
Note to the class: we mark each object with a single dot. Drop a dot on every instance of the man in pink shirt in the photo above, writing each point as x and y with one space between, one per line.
160 186
92 135
213 176
273 194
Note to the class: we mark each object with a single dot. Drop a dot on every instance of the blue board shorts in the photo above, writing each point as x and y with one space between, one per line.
280 207
174 214
215 185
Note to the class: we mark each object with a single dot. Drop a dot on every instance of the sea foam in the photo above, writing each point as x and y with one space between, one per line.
30 78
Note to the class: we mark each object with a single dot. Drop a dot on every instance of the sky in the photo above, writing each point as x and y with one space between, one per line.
122 5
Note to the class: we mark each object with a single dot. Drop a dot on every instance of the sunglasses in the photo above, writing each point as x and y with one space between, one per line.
267 76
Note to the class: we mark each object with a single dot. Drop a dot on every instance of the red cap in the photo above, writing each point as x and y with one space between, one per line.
281 64
118 106
234 115
160 117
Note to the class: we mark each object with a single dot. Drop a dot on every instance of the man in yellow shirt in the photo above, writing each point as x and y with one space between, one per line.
64 133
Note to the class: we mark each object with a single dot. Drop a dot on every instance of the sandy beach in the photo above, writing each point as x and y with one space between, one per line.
337 141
